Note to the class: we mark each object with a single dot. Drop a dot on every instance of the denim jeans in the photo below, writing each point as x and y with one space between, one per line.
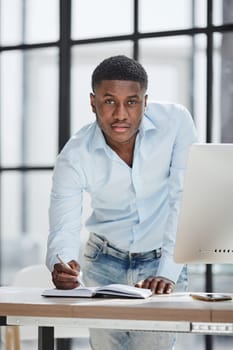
103 264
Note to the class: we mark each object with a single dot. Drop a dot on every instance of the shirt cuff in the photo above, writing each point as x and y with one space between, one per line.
169 269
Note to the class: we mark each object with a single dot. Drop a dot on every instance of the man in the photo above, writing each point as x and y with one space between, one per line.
131 161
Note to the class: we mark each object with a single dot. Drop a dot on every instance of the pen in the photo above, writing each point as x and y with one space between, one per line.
68 266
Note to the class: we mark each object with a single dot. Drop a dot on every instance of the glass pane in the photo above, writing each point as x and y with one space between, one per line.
41 21
24 226
168 62
11 119
29 107
223 12
223 87
101 18
199 85
217 92
21 21
199 13
84 60
158 15
196 275
222 278
11 22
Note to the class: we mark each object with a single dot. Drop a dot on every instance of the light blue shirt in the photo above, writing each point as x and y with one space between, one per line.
134 208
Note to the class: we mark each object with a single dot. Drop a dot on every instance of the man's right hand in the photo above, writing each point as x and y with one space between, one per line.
65 277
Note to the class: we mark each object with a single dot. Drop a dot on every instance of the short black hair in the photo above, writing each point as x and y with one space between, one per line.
119 68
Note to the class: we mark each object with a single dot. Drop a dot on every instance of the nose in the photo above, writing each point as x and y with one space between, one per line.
120 112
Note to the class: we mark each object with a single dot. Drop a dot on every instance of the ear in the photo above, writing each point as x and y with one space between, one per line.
92 102
145 102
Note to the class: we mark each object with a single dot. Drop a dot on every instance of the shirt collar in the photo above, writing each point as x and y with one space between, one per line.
146 125
98 140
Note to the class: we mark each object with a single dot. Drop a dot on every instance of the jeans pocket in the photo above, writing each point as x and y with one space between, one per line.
92 251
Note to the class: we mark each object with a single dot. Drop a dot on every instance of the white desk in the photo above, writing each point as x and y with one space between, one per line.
24 306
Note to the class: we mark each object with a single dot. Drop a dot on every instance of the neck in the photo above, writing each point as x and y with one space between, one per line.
124 150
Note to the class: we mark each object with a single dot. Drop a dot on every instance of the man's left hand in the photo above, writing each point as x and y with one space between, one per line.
157 284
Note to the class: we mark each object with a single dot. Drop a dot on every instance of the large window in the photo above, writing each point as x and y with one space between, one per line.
48 50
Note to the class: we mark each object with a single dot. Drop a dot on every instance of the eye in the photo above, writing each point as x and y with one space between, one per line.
109 101
132 102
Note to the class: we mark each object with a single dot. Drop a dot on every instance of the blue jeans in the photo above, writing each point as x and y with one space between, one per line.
103 264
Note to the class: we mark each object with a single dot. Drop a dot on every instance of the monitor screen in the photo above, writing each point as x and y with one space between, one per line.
205 226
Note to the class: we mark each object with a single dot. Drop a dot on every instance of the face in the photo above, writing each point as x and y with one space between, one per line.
119 107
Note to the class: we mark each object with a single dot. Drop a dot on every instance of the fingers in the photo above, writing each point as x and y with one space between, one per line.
72 268
158 285
61 281
65 277
74 265
161 286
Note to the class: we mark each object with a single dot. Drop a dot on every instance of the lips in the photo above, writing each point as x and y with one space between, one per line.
120 127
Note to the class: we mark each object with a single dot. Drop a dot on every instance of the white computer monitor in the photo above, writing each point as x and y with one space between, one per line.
205 227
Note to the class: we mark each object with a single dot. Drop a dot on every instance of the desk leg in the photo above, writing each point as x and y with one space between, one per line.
208 342
3 321
46 338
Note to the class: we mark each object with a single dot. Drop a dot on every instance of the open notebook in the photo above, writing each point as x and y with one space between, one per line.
117 290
